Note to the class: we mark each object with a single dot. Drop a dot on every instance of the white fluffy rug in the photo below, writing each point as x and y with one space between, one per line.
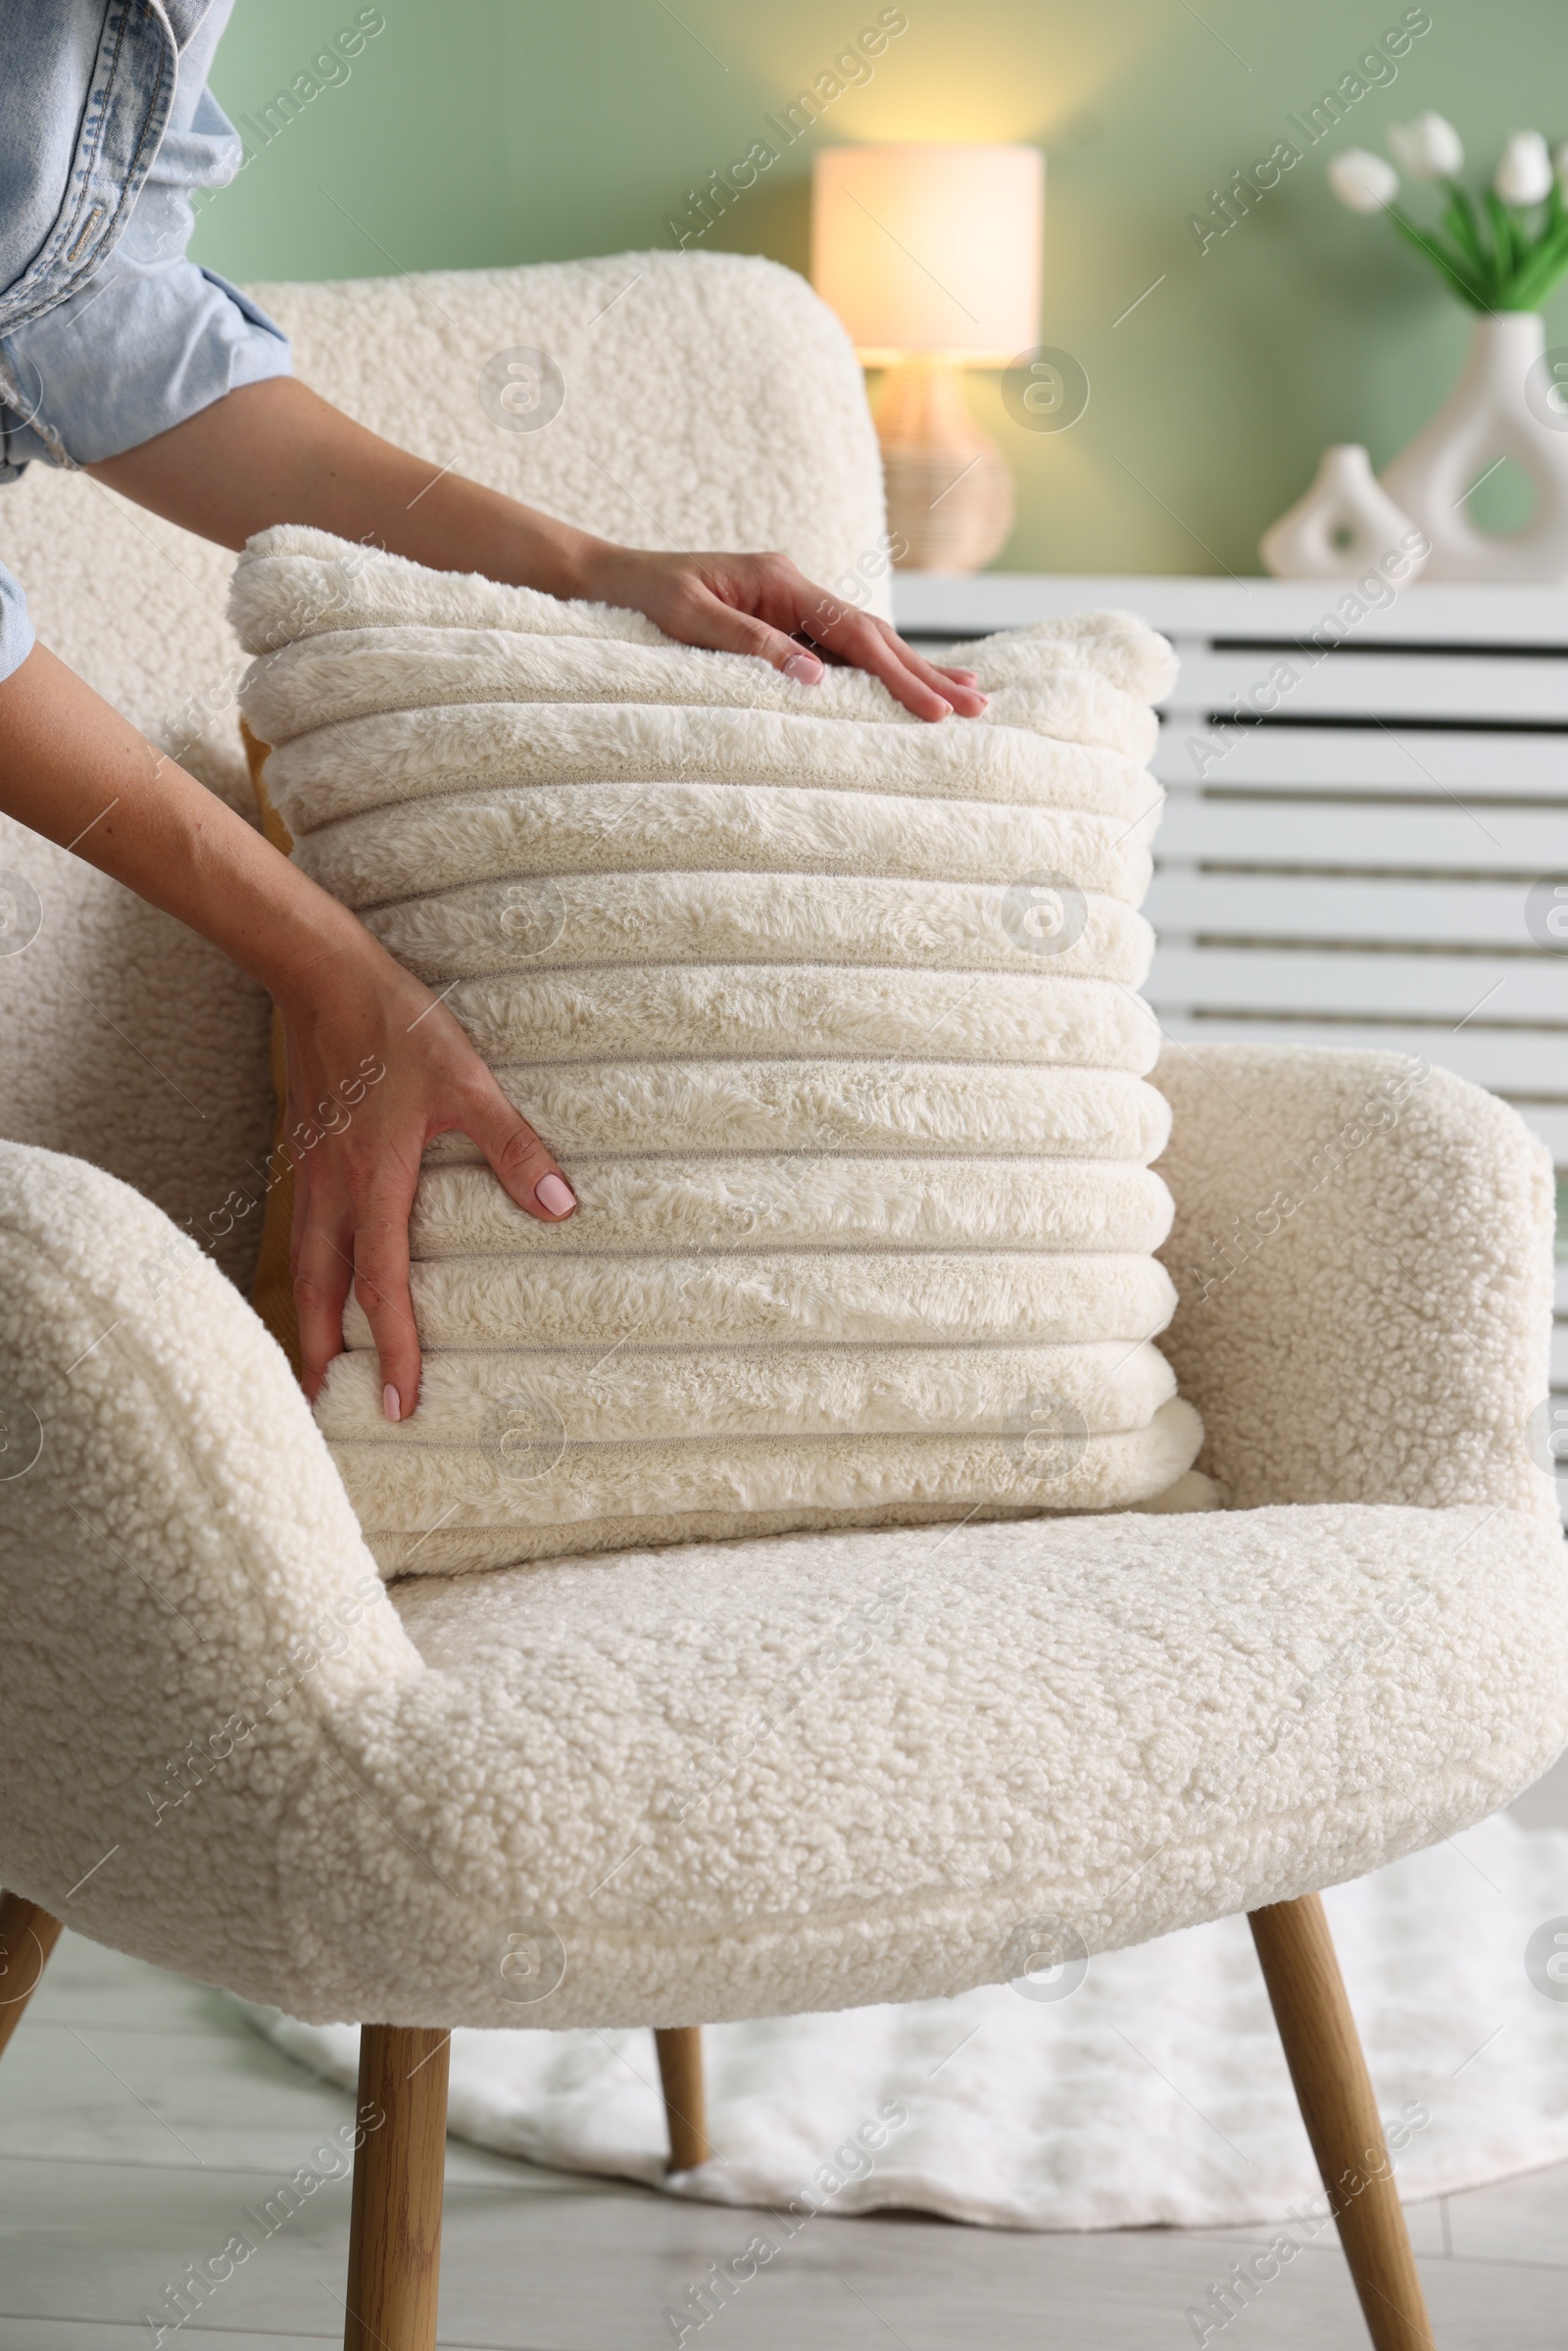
1155 2093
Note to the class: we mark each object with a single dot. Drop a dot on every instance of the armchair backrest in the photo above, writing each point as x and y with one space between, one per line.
705 400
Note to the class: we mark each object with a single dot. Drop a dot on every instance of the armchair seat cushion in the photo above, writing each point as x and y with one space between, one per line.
743 1779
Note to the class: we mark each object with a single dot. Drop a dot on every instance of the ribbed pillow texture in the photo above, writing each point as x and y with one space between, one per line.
831 1018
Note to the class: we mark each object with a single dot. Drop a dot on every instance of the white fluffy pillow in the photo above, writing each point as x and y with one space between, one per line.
829 1016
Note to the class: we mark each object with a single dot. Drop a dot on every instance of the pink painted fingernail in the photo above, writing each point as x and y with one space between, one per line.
803 668
555 1194
391 1402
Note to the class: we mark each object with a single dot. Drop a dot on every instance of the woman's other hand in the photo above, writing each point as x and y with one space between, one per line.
377 1067
763 604
276 451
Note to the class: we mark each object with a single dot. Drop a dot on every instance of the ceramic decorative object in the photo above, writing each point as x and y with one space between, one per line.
1501 257
1344 523
1497 409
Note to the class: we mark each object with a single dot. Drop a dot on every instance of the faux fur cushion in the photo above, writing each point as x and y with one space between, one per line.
830 1017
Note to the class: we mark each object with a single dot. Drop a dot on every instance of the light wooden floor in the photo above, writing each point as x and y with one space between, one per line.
137 2116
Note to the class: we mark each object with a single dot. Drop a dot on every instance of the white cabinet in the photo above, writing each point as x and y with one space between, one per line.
1359 809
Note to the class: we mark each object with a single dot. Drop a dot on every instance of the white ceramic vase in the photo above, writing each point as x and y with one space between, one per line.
1346 523
1501 407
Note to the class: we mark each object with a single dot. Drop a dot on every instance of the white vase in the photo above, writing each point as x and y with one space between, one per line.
1343 524
1491 415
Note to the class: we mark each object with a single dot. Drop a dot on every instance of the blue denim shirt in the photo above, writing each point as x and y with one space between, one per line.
108 334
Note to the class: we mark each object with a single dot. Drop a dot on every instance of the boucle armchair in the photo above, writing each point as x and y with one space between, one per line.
733 1780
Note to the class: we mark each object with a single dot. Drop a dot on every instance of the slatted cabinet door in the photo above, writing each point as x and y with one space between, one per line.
1367 815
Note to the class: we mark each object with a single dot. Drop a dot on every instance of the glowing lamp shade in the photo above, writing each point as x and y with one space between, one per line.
930 255
931 250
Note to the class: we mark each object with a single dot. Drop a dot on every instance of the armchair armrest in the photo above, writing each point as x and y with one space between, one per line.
185 1593
1363 1252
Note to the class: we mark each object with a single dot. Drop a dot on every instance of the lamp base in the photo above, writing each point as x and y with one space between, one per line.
949 491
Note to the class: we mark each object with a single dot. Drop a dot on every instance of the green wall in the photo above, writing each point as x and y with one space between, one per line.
481 131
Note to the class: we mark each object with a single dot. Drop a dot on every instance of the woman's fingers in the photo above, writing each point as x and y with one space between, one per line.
525 1165
724 627
355 1182
380 1234
958 685
855 639
338 1245
376 1252
867 643
322 1259
381 1289
911 679
763 604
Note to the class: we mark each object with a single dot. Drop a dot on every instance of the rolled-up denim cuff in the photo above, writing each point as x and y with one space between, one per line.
134 354
17 637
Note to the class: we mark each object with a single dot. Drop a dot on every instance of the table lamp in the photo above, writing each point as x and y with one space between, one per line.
930 255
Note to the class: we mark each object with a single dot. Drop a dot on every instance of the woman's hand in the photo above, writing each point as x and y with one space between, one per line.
762 604
276 451
376 1066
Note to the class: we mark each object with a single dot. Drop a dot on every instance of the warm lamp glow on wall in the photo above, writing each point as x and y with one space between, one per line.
930 255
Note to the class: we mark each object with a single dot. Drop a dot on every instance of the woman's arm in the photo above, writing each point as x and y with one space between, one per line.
276 451
75 770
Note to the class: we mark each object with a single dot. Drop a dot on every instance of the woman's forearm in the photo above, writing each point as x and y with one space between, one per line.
73 770
276 451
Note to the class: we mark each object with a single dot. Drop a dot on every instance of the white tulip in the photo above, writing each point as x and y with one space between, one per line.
1363 180
1524 171
1429 148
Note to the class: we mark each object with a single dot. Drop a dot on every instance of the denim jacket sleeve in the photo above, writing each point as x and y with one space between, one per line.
108 333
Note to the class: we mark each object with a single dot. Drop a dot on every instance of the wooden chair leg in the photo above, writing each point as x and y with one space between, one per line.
27 1936
395 2225
1334 2090
680 2070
